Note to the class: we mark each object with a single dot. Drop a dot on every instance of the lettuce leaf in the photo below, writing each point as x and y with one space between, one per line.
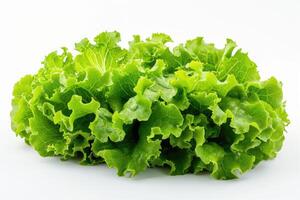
194 108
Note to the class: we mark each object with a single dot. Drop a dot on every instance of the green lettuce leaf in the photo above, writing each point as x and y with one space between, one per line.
193 108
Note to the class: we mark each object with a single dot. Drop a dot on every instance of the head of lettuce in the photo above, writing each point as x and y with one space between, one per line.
191 109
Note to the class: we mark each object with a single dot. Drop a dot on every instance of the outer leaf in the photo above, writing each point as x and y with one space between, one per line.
45 134
107 125
240 66
165 120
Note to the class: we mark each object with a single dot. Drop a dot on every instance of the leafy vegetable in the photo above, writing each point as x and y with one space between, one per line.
194 108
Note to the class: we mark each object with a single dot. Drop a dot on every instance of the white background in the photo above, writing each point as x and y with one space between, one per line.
268 30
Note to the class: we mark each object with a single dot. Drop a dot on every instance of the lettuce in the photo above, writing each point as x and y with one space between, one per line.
192 109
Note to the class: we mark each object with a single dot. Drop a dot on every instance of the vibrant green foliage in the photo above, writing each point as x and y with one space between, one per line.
194 108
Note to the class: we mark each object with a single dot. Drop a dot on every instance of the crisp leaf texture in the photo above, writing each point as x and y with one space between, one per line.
193 108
